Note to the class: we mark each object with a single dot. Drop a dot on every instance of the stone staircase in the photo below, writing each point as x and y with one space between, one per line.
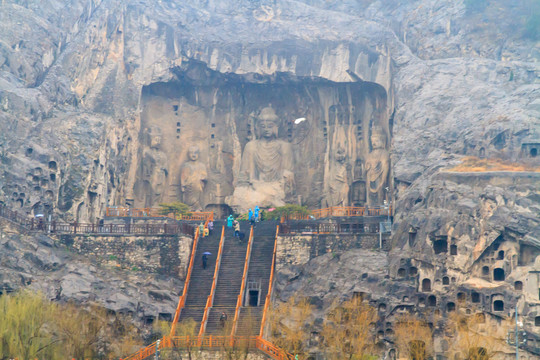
201 279
260 266
229 280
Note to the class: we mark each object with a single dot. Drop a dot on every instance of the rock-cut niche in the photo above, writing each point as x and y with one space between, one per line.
219 141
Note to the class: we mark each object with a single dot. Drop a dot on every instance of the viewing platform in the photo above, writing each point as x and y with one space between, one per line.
334 211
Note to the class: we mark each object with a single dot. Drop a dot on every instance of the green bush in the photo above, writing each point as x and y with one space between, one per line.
288 210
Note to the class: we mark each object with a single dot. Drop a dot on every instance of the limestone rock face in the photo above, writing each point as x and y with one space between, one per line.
101 105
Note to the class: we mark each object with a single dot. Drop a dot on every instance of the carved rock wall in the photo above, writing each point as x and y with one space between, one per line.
218 114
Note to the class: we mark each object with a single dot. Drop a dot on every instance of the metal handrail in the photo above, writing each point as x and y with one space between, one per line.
182 299
156 212
210 299
270 285
243 286
211 342
343 211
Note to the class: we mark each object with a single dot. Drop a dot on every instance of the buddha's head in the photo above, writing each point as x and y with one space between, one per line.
378 138
267 123
193 153
154 137
341 154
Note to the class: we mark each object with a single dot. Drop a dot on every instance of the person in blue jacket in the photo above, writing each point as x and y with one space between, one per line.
256 214
250 217
230 220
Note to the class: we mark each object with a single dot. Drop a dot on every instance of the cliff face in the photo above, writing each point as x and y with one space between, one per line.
101 101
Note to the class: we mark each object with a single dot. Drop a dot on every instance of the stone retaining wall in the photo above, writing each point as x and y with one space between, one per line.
157 254
300 248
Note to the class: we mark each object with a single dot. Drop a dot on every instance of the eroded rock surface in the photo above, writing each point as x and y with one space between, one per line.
85 96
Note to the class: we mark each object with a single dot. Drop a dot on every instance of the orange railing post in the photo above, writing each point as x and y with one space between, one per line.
242 287
210 299
182 299
271 280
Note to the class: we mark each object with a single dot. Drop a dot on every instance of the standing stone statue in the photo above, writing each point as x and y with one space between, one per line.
337 191
152 176
377 166
193 176
267 169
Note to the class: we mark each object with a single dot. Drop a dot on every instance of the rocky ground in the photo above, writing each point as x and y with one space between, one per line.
41 263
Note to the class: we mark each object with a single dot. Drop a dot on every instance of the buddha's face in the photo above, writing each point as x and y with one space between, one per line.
193 153
377 141
155 141
268 129
341 155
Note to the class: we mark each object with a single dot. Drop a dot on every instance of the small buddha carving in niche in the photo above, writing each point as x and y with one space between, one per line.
377 166
193 177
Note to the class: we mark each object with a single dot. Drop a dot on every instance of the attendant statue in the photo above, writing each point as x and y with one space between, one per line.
152 177
377 166
266 174
337 192
193 177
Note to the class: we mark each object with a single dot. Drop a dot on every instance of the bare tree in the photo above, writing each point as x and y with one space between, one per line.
348 331
414 338
289 327
474 338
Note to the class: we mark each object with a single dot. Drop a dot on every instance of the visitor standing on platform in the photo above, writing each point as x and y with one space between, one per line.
251 217
256 214
230 220
210 227
201 229
236 228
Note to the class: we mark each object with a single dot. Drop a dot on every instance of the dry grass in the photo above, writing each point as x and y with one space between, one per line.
474 164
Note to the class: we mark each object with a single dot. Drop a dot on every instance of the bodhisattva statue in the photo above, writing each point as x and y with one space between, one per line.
338 183
193 176
267 170
152 178
377 166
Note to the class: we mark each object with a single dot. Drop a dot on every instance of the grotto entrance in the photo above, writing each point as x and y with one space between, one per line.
200 141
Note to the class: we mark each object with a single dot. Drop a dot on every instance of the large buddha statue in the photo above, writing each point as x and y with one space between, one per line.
377 167
193 177
266 174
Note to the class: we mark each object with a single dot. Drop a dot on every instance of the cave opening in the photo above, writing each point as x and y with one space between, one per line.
412 238
446 280
453 249
450 307
440 245
537 321
534 152
500 255
413 271
485 270
475 297
498 305
349 119
432 301
518 286
426 285
401 272
498 274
